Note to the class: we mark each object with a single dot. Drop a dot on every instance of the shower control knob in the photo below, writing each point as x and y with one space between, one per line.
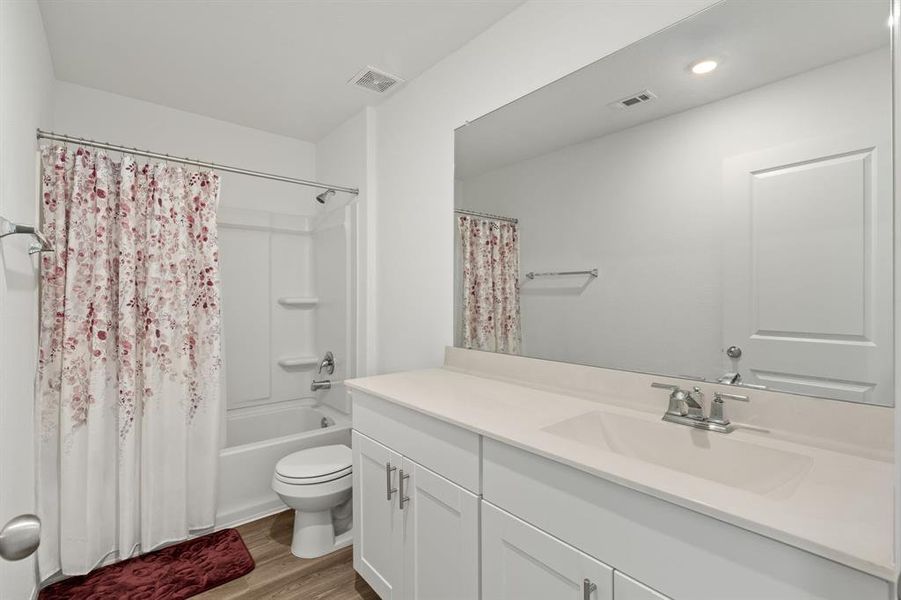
733 352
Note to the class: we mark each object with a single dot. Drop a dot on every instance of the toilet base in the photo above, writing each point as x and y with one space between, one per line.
314 534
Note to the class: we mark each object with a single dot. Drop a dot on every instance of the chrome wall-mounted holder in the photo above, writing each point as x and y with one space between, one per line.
40 244
592 273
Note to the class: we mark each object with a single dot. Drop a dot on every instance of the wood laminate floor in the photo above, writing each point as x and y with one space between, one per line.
279 575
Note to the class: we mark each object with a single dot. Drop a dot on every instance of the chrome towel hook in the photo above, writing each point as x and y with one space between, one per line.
40 244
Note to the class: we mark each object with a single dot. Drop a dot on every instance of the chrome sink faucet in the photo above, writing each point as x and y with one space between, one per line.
686 408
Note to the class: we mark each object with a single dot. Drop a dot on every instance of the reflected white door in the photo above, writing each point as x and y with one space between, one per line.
808 267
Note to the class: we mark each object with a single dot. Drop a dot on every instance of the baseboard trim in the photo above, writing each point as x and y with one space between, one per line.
248 514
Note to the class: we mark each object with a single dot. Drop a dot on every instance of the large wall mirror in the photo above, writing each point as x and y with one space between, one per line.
713 202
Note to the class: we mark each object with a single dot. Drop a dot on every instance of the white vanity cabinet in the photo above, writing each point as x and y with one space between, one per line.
626 588
417 534
416 531
441 538
378 535
683 554
439 510
523 563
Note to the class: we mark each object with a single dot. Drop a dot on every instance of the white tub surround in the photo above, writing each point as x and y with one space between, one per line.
812 474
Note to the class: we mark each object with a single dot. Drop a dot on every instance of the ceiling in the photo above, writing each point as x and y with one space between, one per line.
755 43
276 65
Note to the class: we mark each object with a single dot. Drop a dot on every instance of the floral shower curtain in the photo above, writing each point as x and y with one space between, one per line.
490 257
128 375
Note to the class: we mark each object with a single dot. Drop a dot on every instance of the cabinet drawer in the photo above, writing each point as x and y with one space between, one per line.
660 543
523 563
450 451
626 588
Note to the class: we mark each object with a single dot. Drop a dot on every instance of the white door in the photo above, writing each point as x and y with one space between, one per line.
808 267
520 562
626 588
378 541
441 537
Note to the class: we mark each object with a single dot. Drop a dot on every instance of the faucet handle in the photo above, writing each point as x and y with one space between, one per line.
328 363
677 398
694 400
720 396
666 386
716 408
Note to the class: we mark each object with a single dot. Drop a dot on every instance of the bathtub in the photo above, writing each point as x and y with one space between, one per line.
255 440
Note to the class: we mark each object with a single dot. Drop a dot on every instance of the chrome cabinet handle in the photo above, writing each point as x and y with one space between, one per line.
388 489
403 498
588 589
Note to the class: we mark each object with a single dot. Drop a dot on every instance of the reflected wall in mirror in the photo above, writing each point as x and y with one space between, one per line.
729 178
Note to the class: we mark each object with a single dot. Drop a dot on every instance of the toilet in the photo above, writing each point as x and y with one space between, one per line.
313 482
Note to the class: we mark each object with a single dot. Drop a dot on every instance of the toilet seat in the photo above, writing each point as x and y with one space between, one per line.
313 480
315 465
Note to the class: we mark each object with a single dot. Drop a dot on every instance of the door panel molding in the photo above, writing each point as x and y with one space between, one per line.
786 241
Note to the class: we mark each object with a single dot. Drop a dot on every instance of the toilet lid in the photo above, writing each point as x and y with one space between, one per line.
315 463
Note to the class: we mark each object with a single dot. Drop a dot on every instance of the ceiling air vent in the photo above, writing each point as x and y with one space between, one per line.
642 97
375 80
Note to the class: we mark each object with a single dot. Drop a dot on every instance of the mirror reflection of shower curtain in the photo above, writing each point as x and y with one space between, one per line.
489 259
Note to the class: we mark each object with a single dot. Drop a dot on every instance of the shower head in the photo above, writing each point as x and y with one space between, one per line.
321 198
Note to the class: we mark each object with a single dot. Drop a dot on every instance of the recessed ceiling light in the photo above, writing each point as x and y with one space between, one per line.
703 66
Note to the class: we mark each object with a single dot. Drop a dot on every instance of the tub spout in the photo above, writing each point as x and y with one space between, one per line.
323 384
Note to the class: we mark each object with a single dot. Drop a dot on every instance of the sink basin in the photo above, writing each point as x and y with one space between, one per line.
712 456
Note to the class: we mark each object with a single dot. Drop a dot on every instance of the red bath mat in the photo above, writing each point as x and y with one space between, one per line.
173 573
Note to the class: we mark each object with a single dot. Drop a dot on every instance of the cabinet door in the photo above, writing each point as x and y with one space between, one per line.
441 537
520 562
626 588
378 534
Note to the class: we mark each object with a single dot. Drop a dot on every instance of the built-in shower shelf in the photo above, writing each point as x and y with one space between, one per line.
292 362
299 301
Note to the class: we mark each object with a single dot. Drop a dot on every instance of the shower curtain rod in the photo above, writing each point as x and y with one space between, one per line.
49 135
473 213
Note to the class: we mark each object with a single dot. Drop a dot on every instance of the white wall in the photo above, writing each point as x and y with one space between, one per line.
343 157
257 266
534 45
99 115
645 206
26 84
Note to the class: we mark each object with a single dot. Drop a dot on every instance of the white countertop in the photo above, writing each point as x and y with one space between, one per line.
842 509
